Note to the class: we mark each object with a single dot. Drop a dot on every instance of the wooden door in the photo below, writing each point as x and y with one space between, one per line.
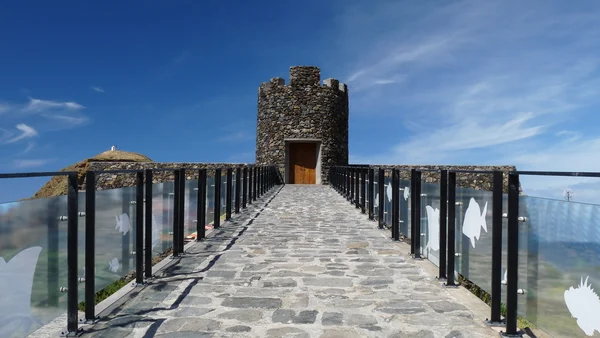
303 163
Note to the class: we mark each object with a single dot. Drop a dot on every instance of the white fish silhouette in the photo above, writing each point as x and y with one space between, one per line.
433 228
474 221
376 202
389 192
16 282
505 280
113 265
406 193
584 304
123 223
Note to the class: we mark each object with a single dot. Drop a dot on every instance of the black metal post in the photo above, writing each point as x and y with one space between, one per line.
250 184
443 221
413 218
512 254
351 195
348 179
228 187
357 188
148 225
255 183
263 184
182 211
238 186
381 188
363 193
201 212
371 193
418 218
497 248
451 228
176 202
395 205
244 187
72 239
90 245
139 226
260 181
217 203
166 197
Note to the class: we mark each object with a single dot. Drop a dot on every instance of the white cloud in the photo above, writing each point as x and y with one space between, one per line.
67 121
98 89
4 108
37 105
26 132
481 82
30 163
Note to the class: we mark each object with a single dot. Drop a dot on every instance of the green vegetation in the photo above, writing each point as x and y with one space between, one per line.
109 290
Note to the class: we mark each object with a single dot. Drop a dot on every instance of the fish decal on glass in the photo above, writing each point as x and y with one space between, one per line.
474 221
406 193
16 283
114 265
123 223
433 228
376 202
388 192
584 305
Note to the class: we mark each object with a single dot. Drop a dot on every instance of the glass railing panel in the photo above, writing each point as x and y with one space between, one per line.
223 194
191 208
115 236
405 208
210 200
33 249
387 201
474 236
560 266
430 222
162 217
232 197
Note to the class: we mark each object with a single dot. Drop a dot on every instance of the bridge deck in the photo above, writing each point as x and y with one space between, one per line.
306 264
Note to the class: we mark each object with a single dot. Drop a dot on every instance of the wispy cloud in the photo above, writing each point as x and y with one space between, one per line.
37 105
67 121
30 163
98 89
235 136
25 132
479 82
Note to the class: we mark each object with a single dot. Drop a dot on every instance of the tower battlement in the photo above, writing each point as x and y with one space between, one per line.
302 77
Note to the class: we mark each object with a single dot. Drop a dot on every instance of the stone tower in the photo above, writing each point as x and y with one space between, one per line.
302 127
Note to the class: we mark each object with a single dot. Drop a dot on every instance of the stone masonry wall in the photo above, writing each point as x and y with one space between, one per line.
118 180
464 180
303 110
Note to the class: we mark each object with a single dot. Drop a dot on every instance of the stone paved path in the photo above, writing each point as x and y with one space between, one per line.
307 265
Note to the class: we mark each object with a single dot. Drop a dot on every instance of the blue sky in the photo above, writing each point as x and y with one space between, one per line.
444 82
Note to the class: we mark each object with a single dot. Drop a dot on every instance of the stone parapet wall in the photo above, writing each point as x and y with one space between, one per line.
118 180
305 109
483 181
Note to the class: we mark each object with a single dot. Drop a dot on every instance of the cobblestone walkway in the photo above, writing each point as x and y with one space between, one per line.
307 264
